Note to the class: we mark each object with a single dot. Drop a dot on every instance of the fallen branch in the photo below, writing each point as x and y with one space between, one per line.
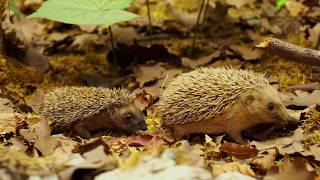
290 51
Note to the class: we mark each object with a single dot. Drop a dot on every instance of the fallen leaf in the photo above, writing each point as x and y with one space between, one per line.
239 151
305 87
247 53
279 143
43 140
144 100
295 169
264 160
93 159
9 122
87 42
88 146
314 34
243 13
233 176
193 63
232 167
148 73
124 35
6 105
295 8
301 98
239 4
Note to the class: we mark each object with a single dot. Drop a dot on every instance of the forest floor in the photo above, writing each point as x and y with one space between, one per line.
78 55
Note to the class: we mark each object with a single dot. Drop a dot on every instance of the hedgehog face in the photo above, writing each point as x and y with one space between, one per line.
264 106
130 118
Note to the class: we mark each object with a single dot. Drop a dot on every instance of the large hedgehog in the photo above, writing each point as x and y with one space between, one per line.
219 100
86 109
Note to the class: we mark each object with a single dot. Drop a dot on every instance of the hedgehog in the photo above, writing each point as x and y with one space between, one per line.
84 110
220 101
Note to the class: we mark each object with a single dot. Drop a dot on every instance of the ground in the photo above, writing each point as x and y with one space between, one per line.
146 64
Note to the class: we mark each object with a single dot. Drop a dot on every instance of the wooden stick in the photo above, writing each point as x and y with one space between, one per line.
290 51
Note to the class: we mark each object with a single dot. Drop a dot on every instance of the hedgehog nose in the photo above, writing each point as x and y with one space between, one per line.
290 120
143 126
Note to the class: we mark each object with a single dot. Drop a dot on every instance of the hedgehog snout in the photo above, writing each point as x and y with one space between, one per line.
142 125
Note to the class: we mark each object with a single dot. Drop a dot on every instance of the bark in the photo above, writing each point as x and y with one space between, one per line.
290 51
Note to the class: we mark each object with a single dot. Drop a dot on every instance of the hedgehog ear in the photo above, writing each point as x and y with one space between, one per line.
250 99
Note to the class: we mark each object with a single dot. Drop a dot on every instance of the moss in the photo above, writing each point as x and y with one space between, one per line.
28 165
311 127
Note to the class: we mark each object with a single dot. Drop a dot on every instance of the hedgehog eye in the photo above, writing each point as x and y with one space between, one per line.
270 106
128 116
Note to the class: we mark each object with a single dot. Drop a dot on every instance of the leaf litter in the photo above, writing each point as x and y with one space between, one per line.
78 57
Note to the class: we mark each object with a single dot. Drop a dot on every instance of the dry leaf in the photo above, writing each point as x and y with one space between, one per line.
232 167
148 73
43 140
247 52
314 34
295 169
9 122
239 151
5 105
94 159
295 8
143 100
239 4
193 63
264 160
301 98
233 176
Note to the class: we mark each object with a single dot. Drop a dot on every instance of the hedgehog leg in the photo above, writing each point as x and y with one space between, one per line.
82 131
178 133
236 136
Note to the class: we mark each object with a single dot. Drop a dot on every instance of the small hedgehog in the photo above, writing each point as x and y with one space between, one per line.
219 100
87 109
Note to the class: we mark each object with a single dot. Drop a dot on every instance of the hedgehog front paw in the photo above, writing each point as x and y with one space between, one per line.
82 132
238 138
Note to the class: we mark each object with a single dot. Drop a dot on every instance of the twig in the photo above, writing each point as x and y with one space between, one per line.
290 51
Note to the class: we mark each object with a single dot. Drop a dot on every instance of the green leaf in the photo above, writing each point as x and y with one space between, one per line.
280 3
85 11
12 6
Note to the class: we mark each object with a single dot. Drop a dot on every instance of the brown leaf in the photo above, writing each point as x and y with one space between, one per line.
295 7
148 73
293 169
301 98
144 140
9 122
43 140
314 34
239 151
193 63
239 4
264 160
88 146
232 167
94 159
6 105
247 52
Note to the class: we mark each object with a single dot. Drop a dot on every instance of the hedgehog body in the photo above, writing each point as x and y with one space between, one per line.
87 109
219 100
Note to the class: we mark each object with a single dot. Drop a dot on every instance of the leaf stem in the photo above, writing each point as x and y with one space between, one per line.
114 57
195 35
149 17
